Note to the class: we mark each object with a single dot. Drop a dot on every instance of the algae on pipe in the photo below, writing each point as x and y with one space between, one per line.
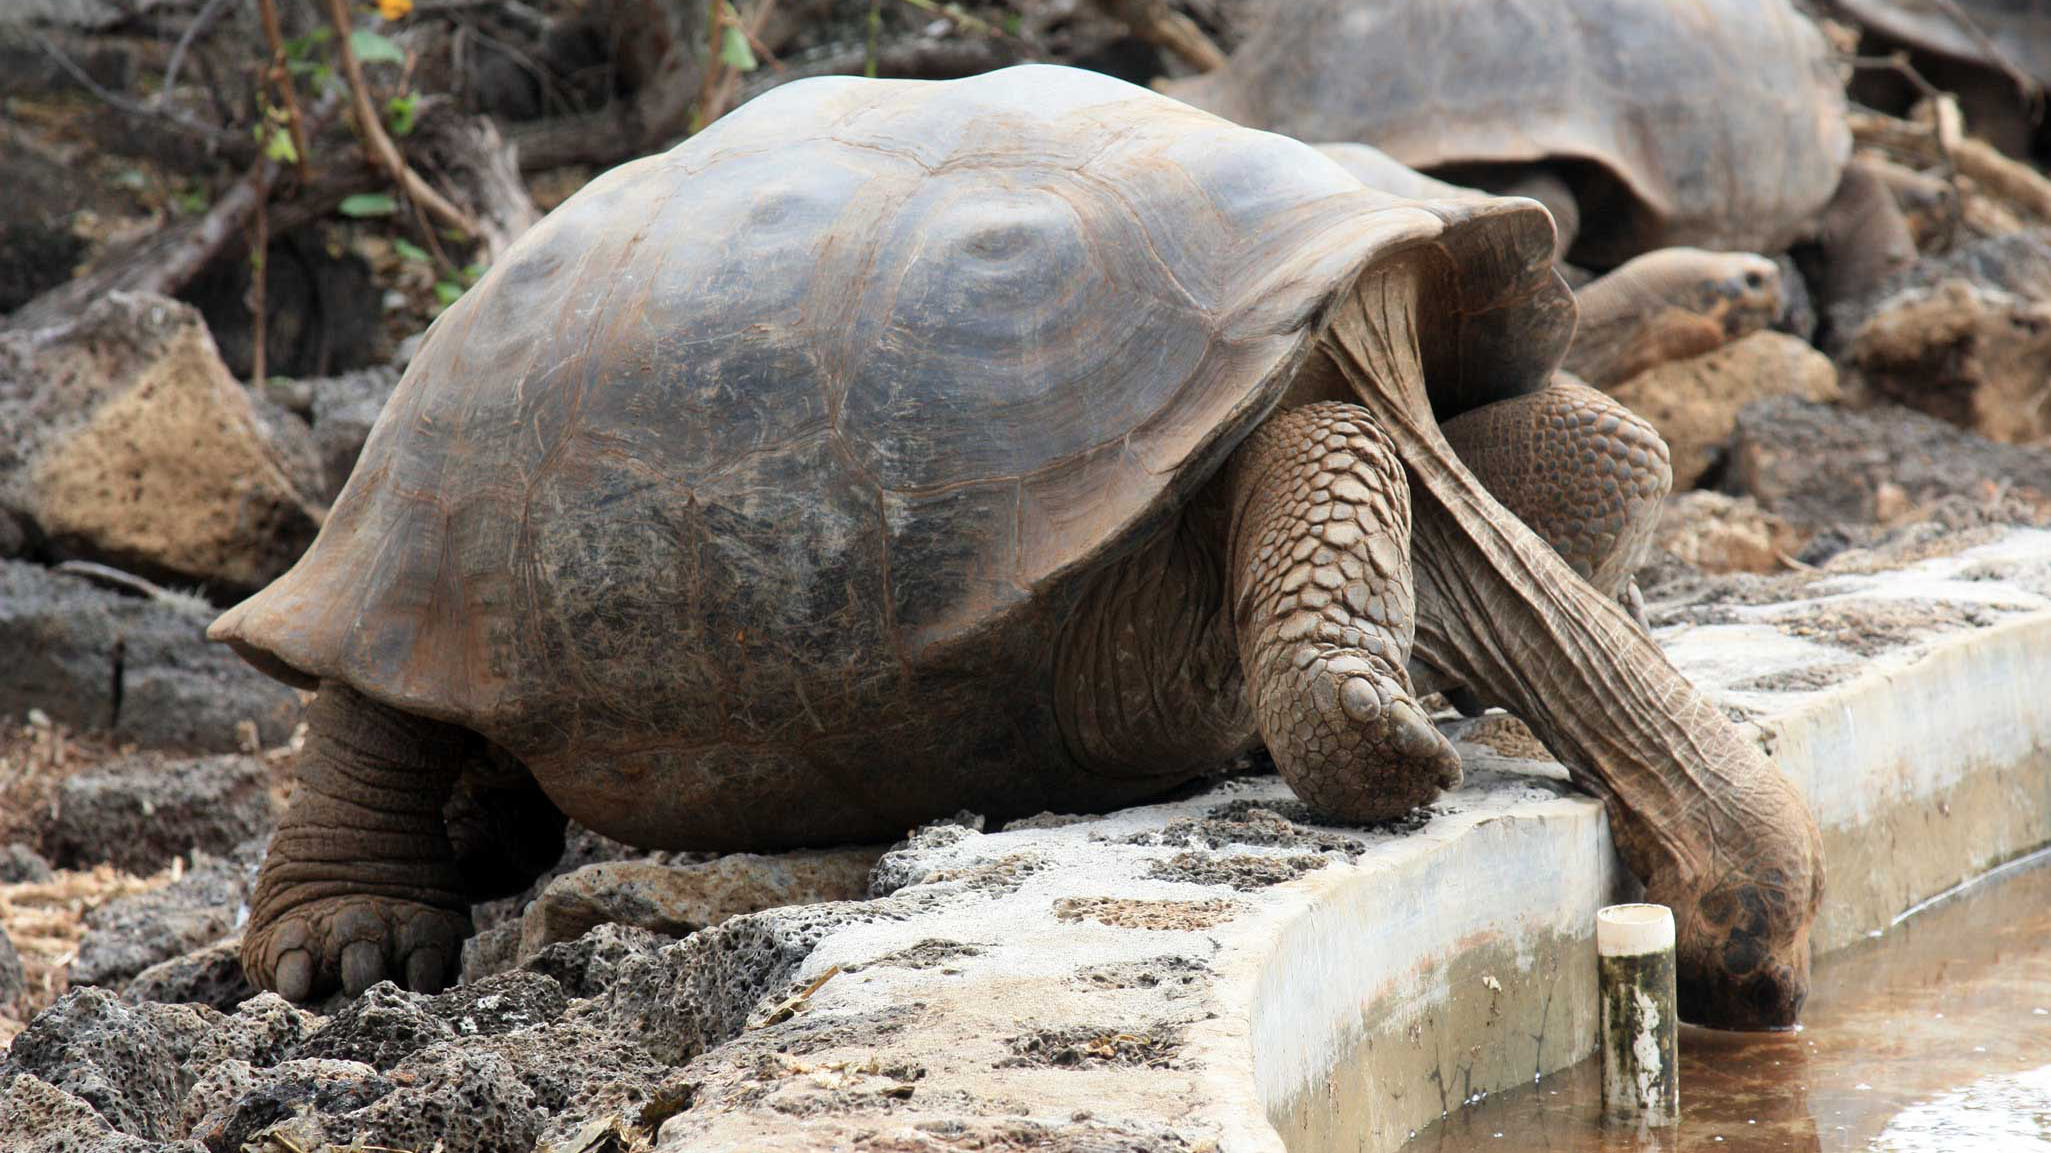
1634 946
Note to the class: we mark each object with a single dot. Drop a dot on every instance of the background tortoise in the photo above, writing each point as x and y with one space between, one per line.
1023 441
1716 124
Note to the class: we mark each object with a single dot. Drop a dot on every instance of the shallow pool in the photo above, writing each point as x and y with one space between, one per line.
1933 1038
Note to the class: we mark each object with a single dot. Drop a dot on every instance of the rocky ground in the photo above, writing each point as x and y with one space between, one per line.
144 485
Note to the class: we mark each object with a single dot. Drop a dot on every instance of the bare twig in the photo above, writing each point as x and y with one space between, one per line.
259 276
217 136
377 143
1158 24
166 261
281 79
721 78
715 67
205 17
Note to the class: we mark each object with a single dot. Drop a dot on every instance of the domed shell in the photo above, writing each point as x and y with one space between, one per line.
743 437
1714 123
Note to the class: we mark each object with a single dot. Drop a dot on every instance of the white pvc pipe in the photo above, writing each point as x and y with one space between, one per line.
1634 951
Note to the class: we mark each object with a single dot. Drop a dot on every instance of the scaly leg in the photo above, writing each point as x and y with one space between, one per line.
360 882
1587 474
1320 565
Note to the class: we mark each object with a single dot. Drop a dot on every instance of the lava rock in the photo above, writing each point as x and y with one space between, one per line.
138 448
382 1027
699 992
1694 403
1818 465
234 1104
344 408
37 1117
501 1004
209 976
680 899
134 1064
1964 336
140 812
130 934
589 966
139 668
19 863
1713 532
13 982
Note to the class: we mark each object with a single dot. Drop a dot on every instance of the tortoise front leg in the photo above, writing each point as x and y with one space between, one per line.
1320 565
1697 811
360 882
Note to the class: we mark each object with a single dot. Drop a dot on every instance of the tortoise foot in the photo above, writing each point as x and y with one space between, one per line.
352 943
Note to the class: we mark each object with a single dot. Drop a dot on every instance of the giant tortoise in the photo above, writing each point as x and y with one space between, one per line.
1717 124
1017 442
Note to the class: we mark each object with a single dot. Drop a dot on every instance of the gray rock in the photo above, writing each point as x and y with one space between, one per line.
19 863
37 1117
588 966
694 994
1818 465
134 1064
12 980
137 667
491 951
680 899
905 863
135 446
344 408
130 934
207 976
381 1028
140 812
464 1098
233 1104
501 1004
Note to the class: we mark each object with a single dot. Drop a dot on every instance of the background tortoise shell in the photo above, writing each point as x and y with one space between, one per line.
793 444
1714 123
2020 29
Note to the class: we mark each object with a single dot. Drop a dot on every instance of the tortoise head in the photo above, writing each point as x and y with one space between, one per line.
1742 949
1743 291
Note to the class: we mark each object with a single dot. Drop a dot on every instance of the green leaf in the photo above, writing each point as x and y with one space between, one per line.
734 51
131 178
192 201
409 250
372 48
447 292
400 111
368 204
279 147
300 47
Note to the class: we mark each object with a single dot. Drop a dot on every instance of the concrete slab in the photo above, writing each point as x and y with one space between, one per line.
1220 973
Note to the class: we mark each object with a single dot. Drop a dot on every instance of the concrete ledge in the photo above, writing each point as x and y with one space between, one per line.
1211 973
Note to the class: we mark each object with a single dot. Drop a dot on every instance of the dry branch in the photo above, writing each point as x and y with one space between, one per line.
1997 175
375 140
1158 24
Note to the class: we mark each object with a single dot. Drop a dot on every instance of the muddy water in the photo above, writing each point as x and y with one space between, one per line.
1934 1038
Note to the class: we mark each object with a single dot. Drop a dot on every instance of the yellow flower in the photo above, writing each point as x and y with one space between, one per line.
394 9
